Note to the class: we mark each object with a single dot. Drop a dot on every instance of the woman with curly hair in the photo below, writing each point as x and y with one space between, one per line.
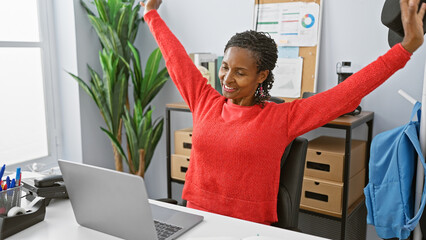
263 49
238 138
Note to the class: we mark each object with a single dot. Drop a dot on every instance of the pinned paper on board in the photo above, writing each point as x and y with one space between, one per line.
295 26
288 77
288 52
289 24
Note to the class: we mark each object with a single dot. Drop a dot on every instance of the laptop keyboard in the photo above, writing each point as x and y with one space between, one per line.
165 230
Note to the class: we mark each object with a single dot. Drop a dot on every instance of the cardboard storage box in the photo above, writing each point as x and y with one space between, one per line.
183 141
327 196
325 158
179 166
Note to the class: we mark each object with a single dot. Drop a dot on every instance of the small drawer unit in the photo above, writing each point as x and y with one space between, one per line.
326 196
183 141
325 158
179 166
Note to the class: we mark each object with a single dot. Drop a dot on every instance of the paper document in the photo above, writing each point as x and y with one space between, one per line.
288 52
268 19
289 24
288 78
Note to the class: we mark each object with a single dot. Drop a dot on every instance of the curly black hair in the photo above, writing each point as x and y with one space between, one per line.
264 50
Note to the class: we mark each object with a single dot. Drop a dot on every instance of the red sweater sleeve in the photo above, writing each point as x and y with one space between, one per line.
310 113
191 84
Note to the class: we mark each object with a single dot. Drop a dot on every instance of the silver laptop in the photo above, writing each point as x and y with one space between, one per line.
116 203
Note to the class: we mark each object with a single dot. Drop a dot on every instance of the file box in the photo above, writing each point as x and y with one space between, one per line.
326 196
183 141
325 158
179 166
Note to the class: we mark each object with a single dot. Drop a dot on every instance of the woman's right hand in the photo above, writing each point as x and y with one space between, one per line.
150 4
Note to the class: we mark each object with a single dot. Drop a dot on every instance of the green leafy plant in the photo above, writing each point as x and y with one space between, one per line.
116 24
142 137
146 88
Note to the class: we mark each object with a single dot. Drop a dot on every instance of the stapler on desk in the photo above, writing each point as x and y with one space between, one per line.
48 187
35 212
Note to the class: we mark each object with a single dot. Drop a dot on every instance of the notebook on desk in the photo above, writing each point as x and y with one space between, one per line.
116 203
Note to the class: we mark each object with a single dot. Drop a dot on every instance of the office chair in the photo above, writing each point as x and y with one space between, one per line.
291 180
276 100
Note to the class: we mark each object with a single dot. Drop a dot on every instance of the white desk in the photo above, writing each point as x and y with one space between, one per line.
60 223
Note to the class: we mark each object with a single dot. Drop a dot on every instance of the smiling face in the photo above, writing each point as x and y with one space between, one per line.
239 76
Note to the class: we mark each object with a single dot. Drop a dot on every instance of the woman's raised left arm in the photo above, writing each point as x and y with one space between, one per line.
307 114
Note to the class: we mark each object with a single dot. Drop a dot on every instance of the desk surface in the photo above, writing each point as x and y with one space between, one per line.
60 223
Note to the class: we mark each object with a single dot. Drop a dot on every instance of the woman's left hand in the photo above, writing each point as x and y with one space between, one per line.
412 21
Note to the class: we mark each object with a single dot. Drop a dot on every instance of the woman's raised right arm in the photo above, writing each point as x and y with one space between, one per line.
191 84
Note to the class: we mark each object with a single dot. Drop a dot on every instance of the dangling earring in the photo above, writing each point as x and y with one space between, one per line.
261 93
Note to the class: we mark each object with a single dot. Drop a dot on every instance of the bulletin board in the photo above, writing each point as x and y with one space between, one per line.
310 54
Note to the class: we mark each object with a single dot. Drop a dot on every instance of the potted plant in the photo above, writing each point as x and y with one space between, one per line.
116 24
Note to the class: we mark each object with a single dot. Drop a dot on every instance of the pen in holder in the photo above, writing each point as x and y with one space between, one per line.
10 198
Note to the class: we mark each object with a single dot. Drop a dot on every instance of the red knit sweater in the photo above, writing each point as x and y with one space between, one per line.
234 165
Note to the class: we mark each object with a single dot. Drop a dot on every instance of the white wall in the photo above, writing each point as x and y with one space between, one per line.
77 46
66 54
351 31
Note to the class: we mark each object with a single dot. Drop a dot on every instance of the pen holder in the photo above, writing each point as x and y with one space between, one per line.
10 198
35 213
